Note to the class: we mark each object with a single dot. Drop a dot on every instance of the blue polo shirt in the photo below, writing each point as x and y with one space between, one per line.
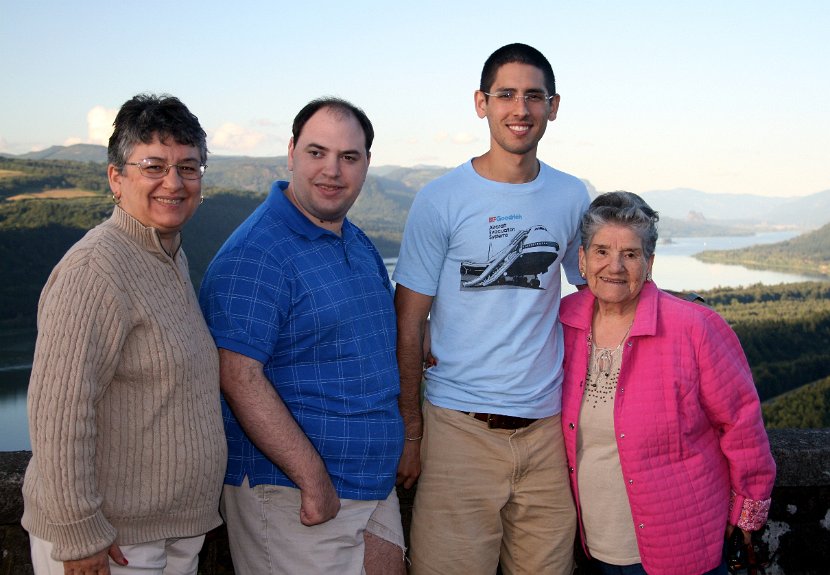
316 309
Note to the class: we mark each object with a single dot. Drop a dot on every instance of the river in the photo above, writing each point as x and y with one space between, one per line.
674 269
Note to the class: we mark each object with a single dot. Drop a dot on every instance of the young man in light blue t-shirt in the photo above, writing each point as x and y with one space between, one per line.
481 257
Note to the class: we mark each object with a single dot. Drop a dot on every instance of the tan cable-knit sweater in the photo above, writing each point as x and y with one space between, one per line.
124 413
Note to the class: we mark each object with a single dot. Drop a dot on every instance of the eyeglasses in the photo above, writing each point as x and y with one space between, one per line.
157 169
531 98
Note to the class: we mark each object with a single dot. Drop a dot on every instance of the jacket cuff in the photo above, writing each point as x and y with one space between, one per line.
752 513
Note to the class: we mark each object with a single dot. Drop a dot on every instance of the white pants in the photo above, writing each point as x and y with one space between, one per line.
164 557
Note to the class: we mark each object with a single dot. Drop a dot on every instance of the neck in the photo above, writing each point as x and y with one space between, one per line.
615 311
169 243
334 226
500 166
611 324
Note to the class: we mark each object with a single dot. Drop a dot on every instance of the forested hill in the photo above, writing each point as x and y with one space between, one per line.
785 333
46 205
808 254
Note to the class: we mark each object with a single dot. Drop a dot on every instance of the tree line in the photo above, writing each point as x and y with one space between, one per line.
784 330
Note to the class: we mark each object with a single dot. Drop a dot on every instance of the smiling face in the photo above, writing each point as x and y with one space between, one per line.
615 265
329 163
165 204
516 126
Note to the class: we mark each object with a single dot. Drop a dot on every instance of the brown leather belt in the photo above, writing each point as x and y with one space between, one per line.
496 421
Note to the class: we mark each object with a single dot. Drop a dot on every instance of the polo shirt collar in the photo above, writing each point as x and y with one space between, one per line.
296 220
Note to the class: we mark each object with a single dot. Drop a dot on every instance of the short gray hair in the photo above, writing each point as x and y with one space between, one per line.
622 209
146 116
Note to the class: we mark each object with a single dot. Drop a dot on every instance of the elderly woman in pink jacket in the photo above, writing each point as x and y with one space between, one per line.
665 442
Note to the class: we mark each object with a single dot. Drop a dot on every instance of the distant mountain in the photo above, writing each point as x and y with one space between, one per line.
76 152
808 254
683 211
680 202
807 212
246 173
812 211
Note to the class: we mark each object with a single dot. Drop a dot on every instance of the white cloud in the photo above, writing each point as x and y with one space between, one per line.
72 141
235 138
99 124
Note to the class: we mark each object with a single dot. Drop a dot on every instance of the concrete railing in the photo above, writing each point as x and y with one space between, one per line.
797 537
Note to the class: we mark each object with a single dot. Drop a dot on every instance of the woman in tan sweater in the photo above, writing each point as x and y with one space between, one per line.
128 449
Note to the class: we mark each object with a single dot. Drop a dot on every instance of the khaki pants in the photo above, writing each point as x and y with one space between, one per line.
491 495
266 536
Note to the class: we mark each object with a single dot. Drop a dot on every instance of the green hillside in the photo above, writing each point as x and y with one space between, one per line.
784 330
35 233
807 254
32 176
807 407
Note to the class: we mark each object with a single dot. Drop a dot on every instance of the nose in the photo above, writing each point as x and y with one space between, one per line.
520 105
618 263
331 168
172 178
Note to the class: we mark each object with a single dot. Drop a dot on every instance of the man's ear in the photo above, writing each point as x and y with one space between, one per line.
554 108
480 99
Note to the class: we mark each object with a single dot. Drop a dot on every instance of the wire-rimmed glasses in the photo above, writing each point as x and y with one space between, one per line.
157 169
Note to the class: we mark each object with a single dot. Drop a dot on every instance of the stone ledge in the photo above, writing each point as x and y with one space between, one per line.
797 536
802 457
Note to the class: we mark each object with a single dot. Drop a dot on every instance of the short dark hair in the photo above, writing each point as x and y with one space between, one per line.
338 106
623 209
146 116
520 54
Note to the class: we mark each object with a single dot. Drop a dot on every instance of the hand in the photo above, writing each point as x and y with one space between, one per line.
319 503
409 467
747 535
97 564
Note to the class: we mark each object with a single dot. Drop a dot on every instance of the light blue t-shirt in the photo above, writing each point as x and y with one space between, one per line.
490 254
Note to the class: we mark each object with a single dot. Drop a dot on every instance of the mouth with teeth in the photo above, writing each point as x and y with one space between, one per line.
169 201
329 189
519 129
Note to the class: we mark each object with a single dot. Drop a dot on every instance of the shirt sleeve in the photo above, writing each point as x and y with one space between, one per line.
82 326
730 400
570 262
423 247
242 297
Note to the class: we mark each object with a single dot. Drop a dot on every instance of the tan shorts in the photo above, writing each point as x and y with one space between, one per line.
491 496
266 535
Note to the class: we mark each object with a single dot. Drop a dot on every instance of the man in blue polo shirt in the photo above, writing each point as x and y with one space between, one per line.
300 305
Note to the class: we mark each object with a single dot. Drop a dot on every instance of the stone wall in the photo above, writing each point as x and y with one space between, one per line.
797 537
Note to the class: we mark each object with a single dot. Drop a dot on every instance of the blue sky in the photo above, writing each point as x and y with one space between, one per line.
721 96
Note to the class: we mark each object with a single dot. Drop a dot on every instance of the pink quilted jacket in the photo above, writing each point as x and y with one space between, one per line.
688 425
